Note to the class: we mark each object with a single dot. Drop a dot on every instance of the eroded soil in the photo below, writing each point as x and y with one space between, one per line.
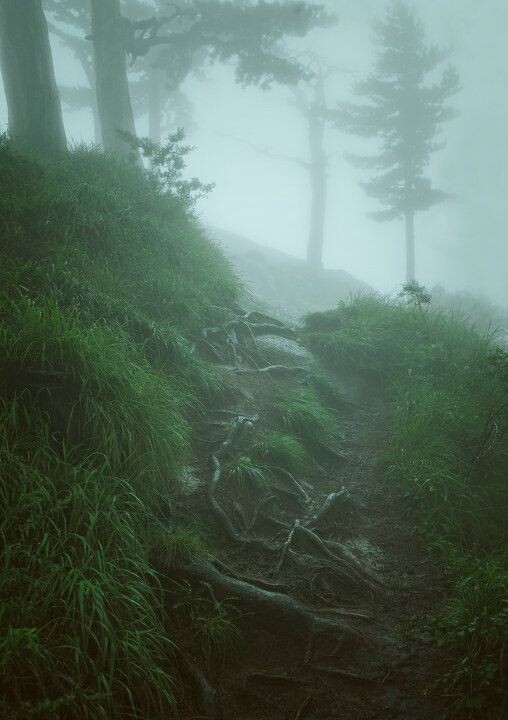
380 673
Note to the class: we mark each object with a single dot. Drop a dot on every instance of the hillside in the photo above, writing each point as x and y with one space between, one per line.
105 282
282 281
209 512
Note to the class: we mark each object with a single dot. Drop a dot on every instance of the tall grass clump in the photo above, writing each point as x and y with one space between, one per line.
106 279
301 413
446 384
281 450
80 612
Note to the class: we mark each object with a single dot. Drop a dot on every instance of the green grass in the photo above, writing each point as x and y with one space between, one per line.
80 616
179 543
105 284
281 450
244 471
446 383
213 621
301 412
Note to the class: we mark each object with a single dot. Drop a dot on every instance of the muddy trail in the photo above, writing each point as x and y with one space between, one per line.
320 571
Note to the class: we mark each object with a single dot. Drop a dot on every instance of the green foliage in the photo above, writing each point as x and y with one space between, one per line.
404 110
301 413
472 623
245 471
179 543
166 165
247 33
203 32
92 228
105 280
415 294
381 337
96 389
448 453
281 450
213 620
79 607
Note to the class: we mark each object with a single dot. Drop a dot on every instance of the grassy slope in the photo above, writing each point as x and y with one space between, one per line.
104 281
447 452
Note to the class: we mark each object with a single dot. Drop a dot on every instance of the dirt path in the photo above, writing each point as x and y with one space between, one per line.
383 671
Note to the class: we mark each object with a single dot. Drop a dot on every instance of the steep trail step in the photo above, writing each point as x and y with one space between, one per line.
360 571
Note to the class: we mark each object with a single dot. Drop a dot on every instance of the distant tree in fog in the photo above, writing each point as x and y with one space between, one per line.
309 100
35 116
405 113
167 42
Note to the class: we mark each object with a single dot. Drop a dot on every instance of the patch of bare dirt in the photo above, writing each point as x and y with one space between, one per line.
365 656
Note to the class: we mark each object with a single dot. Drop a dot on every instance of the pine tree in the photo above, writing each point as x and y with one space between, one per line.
166 48
405 112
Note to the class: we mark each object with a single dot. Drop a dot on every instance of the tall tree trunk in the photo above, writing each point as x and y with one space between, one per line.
155 90
319 181
113 100
410 246
35 115
96 124
318 178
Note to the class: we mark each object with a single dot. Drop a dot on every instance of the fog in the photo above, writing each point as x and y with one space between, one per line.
461 243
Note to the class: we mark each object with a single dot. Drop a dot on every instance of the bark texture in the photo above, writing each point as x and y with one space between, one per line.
318 179
35 115
113 100
410 246
155 92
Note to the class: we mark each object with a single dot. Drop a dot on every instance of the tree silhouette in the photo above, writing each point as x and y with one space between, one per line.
405 113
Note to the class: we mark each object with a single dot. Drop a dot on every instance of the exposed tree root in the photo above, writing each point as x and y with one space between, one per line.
286 545
273 677
330 510
236 339
263 584
259 507
205 693
304 705
348 675
240 425
276 370
345 568
293 482
274 611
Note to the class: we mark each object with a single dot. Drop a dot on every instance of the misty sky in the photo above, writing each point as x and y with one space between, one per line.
462 243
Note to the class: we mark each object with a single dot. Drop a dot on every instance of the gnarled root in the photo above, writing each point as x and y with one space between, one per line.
205 693
272 610
238 338
331 510
238 428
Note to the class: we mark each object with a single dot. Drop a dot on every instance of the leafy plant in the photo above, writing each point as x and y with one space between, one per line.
415 294
167 163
